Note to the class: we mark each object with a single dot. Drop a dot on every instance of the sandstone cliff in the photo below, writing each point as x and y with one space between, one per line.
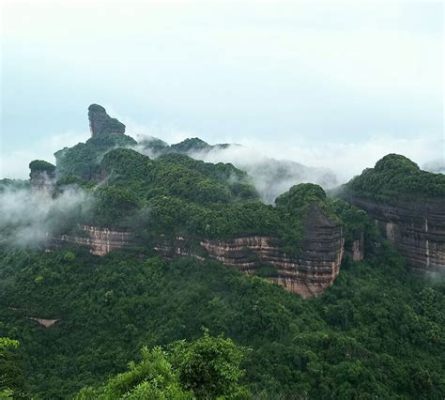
101 123
417 229
42 176
100 241
408 205
308 273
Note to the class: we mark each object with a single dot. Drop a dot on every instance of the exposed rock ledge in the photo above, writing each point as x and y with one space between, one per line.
46 323
417 229
308 274
99 240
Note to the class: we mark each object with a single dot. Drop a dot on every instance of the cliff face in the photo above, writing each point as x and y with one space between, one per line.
309 273
42 181
357 249
101 123
42 176
417 229
100 241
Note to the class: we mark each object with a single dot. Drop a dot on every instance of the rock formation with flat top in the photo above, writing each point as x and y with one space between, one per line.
101 123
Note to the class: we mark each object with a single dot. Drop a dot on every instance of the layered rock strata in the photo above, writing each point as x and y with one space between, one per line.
308 273
417 229
100 241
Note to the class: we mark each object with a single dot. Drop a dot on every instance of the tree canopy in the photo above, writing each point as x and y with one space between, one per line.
395 177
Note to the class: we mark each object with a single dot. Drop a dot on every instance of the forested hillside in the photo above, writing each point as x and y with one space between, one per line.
207 321
378 332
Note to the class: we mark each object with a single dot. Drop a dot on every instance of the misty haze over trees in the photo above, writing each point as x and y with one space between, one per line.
255 210
196 326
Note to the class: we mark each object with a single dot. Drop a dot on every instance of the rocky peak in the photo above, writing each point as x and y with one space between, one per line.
101 123
42 175
407 205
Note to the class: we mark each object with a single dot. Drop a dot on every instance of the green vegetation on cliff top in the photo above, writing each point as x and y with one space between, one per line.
41 166
175 195
394 178
82 160
377 333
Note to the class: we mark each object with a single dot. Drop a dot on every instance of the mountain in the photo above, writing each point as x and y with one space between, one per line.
82 160
178 205
179 265
271 177
408 206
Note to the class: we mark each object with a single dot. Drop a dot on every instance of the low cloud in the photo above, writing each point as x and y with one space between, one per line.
275 166
14 164
436 166
347 159
29 217
271 177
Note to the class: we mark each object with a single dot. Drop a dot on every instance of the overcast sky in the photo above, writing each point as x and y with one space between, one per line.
336 84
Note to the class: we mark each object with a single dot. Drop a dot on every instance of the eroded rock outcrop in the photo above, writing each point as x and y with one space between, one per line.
308 273
357 249
100 241
42 176
417 229
101 123
408 205
46 323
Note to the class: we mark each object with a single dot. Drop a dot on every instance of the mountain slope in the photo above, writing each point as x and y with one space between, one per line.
376 333
271 177
408 204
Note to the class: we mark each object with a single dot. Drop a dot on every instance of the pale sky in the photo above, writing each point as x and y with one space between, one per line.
335 84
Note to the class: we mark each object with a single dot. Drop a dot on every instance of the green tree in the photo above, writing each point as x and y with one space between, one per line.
210 367
152 378
11 378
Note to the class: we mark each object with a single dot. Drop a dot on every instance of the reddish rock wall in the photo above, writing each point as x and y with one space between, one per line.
308 273
417 230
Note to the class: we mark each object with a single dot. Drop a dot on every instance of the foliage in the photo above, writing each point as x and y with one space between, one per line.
356 224
82 160
377 333
395 177
300 195
41 166
175 195
190 145
296 207
11 378
152 378
210 367
207 368
176 175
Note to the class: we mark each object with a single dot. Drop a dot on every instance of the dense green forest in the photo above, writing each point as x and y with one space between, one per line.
175 195
377 333
131 325
82 160
396 177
